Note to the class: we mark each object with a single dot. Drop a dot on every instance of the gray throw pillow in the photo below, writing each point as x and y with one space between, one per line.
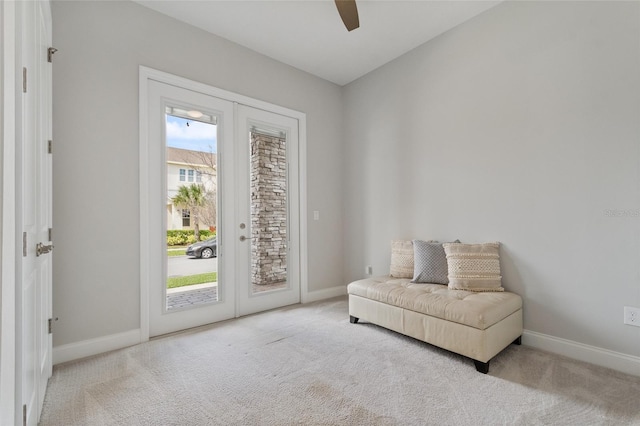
429 263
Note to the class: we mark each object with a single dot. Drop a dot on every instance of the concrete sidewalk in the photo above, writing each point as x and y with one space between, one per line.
182 297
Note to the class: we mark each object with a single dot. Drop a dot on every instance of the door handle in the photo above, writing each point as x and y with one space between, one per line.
43 249
243 238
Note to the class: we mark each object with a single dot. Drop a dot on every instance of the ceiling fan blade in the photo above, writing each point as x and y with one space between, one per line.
349 13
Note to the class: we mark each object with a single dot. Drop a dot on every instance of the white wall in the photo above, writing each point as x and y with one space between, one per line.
520 126
101 45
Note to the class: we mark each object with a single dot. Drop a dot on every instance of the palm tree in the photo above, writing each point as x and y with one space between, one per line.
191 198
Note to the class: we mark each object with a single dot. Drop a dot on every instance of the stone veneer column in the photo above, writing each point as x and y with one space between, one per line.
268 209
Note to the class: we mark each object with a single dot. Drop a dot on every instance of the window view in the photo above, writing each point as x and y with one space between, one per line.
192 255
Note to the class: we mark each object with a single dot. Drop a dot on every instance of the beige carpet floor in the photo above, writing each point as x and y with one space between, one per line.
307 365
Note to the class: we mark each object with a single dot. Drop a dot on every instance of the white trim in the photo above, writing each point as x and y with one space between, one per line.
325 293
302 197
8 215
144 205
603 357
146 74
98 345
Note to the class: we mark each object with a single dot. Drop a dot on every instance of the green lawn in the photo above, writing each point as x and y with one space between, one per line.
176 252
174 282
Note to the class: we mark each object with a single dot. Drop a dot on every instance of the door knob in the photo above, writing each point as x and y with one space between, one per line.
43 249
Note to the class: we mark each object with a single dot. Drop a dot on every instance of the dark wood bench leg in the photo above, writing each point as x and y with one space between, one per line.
482 367
353 320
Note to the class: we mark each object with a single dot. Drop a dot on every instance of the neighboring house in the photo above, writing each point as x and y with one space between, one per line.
185 167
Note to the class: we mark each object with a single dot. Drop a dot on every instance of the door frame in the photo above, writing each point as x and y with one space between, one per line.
146 74
8 268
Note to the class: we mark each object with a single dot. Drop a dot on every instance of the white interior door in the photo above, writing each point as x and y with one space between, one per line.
217 301
34 192
267 219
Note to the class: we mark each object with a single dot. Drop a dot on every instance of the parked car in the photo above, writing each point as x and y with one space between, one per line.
204 249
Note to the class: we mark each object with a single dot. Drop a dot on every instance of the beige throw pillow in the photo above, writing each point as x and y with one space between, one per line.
474 267
401 259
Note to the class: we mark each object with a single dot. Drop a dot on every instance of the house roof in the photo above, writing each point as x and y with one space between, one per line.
188 157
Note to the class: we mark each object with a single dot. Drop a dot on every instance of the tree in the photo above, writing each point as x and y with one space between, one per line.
205 166
203 162
191 198
209 211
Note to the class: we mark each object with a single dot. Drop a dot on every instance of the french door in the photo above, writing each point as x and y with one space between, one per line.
164 100
267 217
248 173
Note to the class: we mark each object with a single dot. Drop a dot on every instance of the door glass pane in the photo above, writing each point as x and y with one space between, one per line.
192 206
269 221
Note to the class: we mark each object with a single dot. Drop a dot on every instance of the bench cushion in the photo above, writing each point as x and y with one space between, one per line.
477 310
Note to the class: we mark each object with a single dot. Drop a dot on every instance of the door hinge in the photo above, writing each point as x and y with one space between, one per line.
24 79
24 415
49 146
51 321
50 234
24 244
50 52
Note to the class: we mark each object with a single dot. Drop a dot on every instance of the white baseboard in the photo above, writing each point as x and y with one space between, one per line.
85 348
603 357
327 293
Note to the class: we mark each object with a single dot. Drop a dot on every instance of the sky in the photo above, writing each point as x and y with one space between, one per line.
196 136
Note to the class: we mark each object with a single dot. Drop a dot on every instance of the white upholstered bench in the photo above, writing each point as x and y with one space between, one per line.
477 325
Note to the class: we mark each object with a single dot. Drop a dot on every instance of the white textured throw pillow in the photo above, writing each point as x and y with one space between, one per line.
474 267
401 259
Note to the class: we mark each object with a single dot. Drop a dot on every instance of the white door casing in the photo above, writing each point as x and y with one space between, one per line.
8 334
152 211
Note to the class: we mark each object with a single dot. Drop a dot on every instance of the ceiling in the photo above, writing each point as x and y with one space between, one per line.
310 36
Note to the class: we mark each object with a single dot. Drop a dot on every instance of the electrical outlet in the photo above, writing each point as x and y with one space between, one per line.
632 316
368 270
